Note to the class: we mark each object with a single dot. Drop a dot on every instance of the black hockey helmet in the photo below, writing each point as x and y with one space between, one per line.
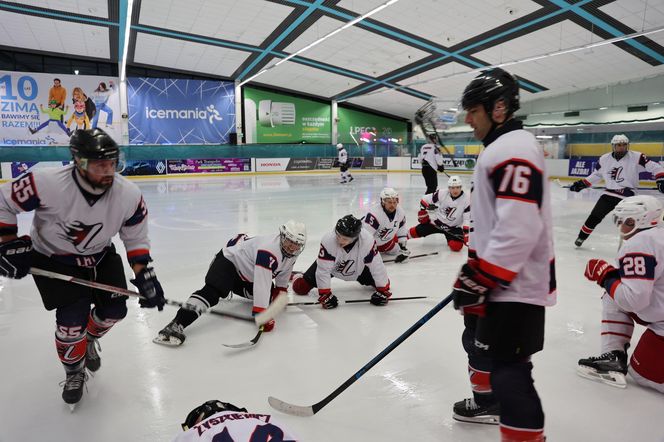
489 87
206 410
349 226
93 144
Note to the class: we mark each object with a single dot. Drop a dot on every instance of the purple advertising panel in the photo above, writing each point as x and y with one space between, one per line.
214 165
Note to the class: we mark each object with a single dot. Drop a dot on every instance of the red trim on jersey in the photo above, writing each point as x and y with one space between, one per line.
613 288
511 160
606 321
617 334
388 245
496 271
324 291
586 182
7 225
257 309
659 175
515 434
510 197
380 289
137 252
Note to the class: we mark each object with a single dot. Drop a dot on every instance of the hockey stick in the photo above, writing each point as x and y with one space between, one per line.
276 307
355 301
413 257
305 411
249 343
567 186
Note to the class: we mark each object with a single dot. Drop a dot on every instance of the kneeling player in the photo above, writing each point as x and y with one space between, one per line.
445 211
634 293
348 253
246 267
388 225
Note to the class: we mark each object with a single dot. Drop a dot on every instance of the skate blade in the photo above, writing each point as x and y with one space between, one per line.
612 378
168 342
487 420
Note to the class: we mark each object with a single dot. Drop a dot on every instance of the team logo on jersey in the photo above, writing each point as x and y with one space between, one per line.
616 174
449 213
385 233
344 267
79 234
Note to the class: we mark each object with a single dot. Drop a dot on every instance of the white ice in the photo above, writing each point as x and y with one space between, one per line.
143 391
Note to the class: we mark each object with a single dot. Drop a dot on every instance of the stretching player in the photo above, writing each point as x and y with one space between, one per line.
246 267
620 171
634 293
450 210
350 254
431 160
388 226
216 421
346 177
509 277
78 209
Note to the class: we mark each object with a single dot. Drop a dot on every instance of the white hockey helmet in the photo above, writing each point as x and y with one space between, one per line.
340 146
293 236
644 211
454 181
619 139
388 192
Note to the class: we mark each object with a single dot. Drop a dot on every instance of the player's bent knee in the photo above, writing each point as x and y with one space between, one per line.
301 286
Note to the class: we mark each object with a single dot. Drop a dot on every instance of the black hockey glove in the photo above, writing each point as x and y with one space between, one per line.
441 168
150 289
578 186
15 257
660 185
404 253
328 301
380 298
471 290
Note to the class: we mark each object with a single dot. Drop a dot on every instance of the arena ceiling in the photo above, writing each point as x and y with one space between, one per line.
393 62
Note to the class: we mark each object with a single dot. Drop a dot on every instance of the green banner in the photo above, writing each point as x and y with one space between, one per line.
270 117
356 125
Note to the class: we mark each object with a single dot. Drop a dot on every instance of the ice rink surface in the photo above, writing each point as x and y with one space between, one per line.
143 391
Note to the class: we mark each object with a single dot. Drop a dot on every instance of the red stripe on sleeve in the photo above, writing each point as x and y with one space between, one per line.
497 272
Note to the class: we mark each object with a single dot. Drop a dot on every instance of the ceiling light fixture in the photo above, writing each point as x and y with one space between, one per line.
603 108
322 39
125 48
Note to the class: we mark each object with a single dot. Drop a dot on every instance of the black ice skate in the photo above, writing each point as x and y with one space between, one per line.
92 358
171 335
610 368
578 242
467 410
350 178
73 387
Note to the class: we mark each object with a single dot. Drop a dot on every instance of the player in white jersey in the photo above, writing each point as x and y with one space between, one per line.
78 209
509 277
431 161
634 293
446 212
342 158
246 266
216 421
350 254
620 171
388 225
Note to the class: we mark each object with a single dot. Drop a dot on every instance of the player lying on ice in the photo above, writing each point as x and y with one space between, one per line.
388 226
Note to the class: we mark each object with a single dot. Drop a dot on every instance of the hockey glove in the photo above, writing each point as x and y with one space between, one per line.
441 168
423 217
660 185
471 290
380 297
466 234
328 301
150 289
578 186
603 273
404 253
15 257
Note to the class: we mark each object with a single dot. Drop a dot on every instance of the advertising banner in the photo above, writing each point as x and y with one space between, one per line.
144 167
270 117
364 128
460 164
175 111
18 168
582 166
377 163
271 164
215 165
44 109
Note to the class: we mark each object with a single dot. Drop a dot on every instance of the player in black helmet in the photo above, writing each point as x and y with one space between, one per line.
78 209
348 253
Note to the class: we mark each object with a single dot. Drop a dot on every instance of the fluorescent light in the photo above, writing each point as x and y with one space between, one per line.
603 108
544 137
656 103
325 37
125 49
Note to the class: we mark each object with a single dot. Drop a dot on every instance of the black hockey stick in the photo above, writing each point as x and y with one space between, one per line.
567 186
304 411
355 301
249 343
413 257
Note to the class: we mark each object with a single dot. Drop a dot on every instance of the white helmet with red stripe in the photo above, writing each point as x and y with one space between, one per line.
639 212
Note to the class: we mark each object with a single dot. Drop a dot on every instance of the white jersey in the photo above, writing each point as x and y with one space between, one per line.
258 260
348 263
451 212
511 218
387 230
621 177
236 426
343 156
74 226
641 288
430 155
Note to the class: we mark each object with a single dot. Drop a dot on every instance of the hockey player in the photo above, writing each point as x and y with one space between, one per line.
431 160
388 225
350 254
216 421
620 171
246 267
503 288
346 177
634 293
450 210
78 209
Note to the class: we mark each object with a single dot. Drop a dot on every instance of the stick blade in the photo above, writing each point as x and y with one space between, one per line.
276 307
285 407
242 345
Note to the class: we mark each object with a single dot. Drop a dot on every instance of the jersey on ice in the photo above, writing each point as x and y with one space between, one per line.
343 156
430 155
348 263
258 260
386 229
451 212
622 176
232 426
71 227
511 217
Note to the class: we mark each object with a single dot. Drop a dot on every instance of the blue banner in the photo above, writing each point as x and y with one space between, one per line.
582 166
170 111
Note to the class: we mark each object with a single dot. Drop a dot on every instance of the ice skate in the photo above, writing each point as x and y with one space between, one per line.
609 368
92 358
172 335
73 387
467 410
578 242
350 178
